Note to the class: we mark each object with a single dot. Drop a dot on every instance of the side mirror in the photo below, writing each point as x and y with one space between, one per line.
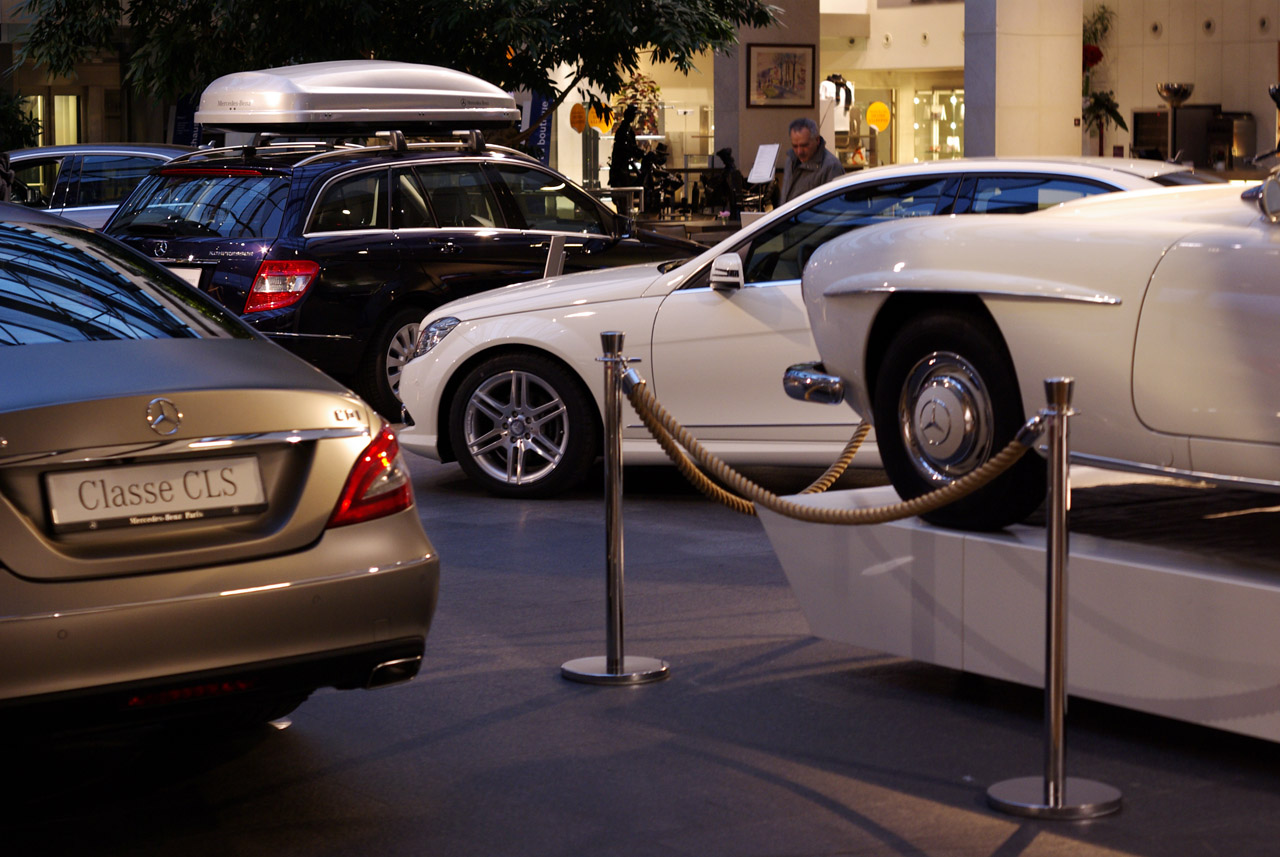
1269 199
726 272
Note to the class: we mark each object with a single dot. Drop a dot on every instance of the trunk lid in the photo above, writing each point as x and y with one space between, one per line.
132 457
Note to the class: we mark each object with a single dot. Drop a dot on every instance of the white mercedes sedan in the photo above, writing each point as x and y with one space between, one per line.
508 384
1162 305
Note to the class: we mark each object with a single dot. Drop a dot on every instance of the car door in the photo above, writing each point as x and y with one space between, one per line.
718 356
544 205
1204 363
349 235
452 232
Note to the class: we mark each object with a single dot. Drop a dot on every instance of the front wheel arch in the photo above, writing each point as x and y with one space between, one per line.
369 380
444 443
901 308
953 362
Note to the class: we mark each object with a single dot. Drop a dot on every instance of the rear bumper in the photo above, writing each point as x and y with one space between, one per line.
257 686
325 616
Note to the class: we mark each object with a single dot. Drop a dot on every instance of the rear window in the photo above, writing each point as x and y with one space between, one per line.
107 179
70 285
212 203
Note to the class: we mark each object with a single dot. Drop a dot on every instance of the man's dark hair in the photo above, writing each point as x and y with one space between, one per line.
803 122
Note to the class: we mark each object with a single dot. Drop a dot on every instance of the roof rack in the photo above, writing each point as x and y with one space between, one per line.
259 145
470 142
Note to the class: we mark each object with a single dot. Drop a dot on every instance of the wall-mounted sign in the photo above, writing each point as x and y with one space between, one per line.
578 118
599 121
878 115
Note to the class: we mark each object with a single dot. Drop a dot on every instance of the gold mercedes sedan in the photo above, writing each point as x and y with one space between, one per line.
193 522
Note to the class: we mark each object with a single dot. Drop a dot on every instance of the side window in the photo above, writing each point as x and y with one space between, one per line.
459 195
354 202
547 202
408 202
1022 194
780 252
35 180
107 179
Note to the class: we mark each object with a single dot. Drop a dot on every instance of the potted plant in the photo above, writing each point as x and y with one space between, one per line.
1098 109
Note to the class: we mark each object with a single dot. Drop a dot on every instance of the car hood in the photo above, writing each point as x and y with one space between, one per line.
606 284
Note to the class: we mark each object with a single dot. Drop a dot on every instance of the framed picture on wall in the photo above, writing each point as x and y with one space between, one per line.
780 75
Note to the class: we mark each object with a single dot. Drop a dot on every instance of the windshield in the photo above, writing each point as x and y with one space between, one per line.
212 203
71 285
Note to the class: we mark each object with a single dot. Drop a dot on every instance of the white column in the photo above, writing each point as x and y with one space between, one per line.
1022 77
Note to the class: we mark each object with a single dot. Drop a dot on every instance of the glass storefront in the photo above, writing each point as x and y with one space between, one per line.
938 124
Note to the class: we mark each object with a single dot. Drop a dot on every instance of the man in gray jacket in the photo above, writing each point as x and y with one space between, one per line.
809 163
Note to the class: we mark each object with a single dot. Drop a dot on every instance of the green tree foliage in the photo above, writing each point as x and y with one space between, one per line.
177 47
18 128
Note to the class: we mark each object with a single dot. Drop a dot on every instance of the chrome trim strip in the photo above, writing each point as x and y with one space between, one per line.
851 426
161 448
1109 300
1174 473
210 596
272 334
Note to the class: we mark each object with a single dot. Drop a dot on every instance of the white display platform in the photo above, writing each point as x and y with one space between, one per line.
1181 632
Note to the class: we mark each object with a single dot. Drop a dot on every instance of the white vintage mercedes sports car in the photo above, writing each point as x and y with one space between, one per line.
508 384
1162 305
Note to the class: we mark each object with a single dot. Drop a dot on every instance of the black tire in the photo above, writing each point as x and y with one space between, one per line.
946 400
388 351
522 425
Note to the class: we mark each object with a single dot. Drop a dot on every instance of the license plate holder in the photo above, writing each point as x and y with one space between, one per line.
141 495
191 274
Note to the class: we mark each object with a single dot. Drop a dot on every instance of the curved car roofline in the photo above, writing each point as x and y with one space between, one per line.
101 148
13 213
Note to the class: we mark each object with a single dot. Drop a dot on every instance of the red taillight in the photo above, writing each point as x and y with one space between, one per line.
280 283
208 690
378 484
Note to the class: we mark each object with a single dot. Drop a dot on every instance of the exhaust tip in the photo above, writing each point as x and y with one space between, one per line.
394 672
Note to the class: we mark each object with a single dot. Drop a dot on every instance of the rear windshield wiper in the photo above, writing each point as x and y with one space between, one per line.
167 229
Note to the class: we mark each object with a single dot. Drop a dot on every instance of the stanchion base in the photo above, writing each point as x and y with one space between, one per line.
596 671
1081 799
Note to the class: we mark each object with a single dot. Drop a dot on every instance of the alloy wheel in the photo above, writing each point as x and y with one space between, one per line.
516 427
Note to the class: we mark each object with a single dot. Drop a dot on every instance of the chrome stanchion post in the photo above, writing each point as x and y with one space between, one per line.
1055 795
615 667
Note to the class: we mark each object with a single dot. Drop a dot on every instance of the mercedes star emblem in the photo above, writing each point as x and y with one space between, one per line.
161 248
935 422
163 416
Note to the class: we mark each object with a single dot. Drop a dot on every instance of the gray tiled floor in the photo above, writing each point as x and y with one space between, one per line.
765 741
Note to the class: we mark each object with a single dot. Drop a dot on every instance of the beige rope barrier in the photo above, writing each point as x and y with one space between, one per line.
675 440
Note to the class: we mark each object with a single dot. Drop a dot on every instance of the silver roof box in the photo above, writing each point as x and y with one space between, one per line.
354 97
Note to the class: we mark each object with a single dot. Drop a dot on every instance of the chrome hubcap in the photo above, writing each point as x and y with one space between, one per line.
516 427
945 417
